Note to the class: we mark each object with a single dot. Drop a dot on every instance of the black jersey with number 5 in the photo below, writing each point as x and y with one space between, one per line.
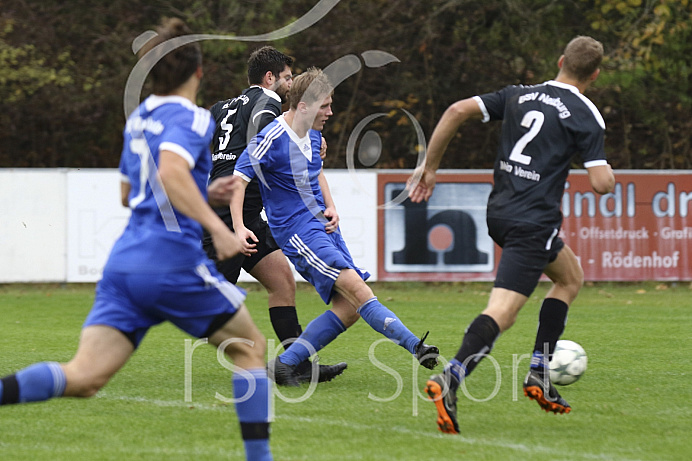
543 127
237 121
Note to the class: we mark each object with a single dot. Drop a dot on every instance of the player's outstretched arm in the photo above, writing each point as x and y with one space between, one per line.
330 210
601 178
421 184
184 195
236 205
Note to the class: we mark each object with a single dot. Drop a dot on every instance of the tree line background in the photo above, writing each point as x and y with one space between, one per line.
64 65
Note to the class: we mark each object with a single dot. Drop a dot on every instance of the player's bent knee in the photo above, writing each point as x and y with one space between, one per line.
248 356
260 346
85 386
576 280
349 318
252 348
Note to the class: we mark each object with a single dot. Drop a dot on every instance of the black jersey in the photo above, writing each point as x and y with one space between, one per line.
237 121
543 126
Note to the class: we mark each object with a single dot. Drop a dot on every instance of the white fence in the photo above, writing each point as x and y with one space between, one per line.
58 225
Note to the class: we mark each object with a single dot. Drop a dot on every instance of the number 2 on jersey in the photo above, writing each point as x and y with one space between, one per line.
533 120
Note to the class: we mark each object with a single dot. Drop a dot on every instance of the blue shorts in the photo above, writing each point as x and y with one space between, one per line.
526 251
319 257
193 300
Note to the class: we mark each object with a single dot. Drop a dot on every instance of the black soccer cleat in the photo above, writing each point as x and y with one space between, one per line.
282 374
426 354
542 391
325 373
439 391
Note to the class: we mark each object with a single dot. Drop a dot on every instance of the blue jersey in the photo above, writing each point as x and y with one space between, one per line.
543 127
158 238
287 168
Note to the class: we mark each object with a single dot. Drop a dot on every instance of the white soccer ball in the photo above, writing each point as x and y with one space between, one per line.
568 363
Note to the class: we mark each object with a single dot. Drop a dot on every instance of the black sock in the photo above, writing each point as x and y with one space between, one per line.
256 440
478 342
9 390
285 322
551 324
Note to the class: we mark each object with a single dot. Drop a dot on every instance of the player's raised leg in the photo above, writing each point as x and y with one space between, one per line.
101 353
381 319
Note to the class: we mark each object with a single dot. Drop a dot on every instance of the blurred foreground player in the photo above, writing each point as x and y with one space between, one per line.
157 270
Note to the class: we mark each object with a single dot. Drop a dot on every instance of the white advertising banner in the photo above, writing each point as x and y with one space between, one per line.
95 219
32 225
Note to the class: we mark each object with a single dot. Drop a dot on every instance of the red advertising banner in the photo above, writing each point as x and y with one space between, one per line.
640 231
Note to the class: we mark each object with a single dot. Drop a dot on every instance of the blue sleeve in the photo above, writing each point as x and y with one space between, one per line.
243 165
190 138
254 157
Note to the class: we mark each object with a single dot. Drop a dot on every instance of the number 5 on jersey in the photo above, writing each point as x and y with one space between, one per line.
227 128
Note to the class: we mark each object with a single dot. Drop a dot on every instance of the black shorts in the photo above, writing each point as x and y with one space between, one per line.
526 251
230 268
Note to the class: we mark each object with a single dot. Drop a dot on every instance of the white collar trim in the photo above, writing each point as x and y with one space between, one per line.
272 94
154 101
303 143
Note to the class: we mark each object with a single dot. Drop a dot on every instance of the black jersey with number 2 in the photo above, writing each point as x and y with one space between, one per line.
543 127
237 121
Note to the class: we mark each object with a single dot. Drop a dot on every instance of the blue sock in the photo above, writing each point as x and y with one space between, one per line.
386 322
35 383
253 412
539 362
320 332
457 369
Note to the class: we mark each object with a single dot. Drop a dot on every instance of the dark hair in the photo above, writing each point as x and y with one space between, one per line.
177 65
583 55
310 86
266 59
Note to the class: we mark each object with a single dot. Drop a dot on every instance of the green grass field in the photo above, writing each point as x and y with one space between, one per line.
633 403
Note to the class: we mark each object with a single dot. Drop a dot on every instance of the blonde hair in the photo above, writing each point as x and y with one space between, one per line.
311 86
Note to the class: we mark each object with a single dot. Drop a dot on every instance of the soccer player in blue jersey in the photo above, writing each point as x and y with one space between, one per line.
543 126
285 158
157 270
237 120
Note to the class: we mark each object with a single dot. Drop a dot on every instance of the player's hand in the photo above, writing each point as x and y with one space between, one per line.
332 220
226 243
421 184
323 149
219 191
248 241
